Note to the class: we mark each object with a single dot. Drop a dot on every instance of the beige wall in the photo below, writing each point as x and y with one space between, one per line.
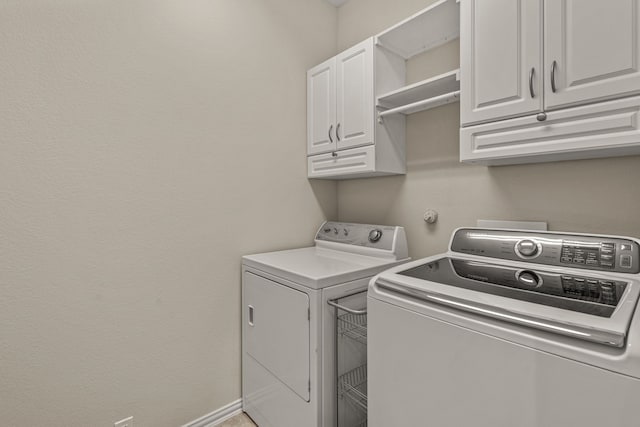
144 146
601 196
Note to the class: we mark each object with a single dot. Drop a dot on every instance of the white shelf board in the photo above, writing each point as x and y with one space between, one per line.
427 29
424 90
424 104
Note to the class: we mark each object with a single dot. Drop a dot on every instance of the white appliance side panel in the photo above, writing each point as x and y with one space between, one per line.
426 371
277 332
270 403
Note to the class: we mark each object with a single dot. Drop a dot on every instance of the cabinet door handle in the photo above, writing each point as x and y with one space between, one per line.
531 74
250 315
338 132
330 129
554 65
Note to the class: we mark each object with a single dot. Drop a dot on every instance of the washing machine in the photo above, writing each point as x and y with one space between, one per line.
508 328
288 326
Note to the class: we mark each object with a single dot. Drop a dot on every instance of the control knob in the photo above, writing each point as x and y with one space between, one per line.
375 235
527 248
528 279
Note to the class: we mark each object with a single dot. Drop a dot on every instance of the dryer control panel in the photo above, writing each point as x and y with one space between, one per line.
368 235
559 249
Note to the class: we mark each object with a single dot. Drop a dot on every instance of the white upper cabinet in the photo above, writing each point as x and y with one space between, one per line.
355 96
500 54
321 108
592 49
529 70
344 139
357 101
591 53
340 101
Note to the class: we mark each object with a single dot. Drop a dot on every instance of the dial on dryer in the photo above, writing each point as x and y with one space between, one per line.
375 235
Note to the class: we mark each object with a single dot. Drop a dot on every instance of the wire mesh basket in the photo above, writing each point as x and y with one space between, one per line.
352 385
353 326
351 359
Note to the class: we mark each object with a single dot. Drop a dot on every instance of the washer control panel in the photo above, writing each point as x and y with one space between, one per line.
575 287
528 248
368 235
590 289
568 250
599 254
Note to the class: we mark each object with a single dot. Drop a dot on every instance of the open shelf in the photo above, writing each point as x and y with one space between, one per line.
427 29
429 93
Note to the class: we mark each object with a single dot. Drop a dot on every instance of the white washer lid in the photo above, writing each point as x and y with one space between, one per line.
318 268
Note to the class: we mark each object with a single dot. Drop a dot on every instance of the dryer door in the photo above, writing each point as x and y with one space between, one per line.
277 330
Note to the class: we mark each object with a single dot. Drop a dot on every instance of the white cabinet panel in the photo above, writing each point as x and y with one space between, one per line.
594 48
600 130
500 52
355 97
342 163
340 101
321 108
277 330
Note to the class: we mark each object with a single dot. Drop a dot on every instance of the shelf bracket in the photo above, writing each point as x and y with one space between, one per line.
381 109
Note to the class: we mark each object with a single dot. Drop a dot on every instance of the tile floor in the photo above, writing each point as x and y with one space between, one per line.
240 420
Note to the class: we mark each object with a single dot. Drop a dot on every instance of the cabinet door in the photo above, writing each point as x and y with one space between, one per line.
500 59
321 108
595 45
355 104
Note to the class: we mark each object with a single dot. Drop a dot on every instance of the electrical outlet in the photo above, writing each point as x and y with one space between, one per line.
127 422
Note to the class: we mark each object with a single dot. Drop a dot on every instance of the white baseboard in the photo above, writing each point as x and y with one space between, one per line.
218 416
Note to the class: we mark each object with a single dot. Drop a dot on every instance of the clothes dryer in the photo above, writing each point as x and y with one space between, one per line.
288 328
